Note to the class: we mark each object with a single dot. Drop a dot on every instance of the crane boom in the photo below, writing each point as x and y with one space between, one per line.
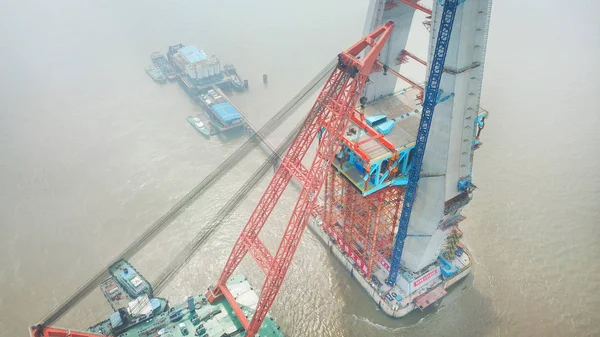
429 103
328 119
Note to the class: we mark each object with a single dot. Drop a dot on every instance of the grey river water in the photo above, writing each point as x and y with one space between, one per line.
92 152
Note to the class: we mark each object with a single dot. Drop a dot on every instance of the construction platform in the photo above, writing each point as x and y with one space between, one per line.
116 296
404 108
367 146
417 289
148 316
411 291
223 114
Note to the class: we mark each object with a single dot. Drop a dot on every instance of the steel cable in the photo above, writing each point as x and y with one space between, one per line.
175 266
255 139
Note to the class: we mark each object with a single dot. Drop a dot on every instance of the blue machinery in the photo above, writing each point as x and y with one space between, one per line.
377 173
431 94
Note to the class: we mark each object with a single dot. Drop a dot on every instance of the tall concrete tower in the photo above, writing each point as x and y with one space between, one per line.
445 186
379 12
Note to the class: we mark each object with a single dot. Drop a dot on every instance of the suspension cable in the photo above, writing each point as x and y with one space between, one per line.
256 138
184 256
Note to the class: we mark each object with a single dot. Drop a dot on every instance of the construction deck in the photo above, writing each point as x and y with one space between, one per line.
150 316
405 109
130 280
429 298
392 300
116 296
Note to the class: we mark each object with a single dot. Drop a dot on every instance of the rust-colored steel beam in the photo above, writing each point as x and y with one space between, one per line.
328 119
39 331
405 53
404 78
412 3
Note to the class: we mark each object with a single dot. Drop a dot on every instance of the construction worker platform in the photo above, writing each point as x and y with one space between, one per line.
378 142
404 109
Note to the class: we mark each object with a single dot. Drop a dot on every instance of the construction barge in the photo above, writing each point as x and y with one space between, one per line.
390 126
224 116
204 79
413 291
160 61
138 313
360 172
200 71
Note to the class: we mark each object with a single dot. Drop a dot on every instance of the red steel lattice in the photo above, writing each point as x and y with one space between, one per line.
328 119
364 227
39 331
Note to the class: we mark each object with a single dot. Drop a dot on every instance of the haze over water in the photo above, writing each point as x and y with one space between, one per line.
92 152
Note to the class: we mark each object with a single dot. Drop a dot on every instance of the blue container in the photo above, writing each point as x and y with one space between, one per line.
190 302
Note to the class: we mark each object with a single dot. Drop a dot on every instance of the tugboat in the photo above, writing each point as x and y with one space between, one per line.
160 60
156 74
235 80
199 125
236 83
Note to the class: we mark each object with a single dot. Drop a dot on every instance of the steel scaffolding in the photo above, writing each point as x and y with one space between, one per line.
363 226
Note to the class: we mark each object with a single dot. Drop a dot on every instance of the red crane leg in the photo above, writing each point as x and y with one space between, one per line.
57 332
329 118
330 142
280 180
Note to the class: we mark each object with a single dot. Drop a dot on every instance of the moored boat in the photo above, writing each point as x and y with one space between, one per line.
235 81
156 74
199 125
160 60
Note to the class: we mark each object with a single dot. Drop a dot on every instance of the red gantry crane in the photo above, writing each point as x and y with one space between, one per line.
327 120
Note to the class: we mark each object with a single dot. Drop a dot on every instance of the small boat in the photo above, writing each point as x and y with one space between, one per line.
156 74
236 83
199 125
160 61
235 80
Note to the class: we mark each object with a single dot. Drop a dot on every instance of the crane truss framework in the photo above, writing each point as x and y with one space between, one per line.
39 331
363 227
431 93
328 119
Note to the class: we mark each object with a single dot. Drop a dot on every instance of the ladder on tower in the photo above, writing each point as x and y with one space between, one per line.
429 103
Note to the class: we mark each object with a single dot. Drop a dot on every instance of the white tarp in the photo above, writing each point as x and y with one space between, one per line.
140 306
